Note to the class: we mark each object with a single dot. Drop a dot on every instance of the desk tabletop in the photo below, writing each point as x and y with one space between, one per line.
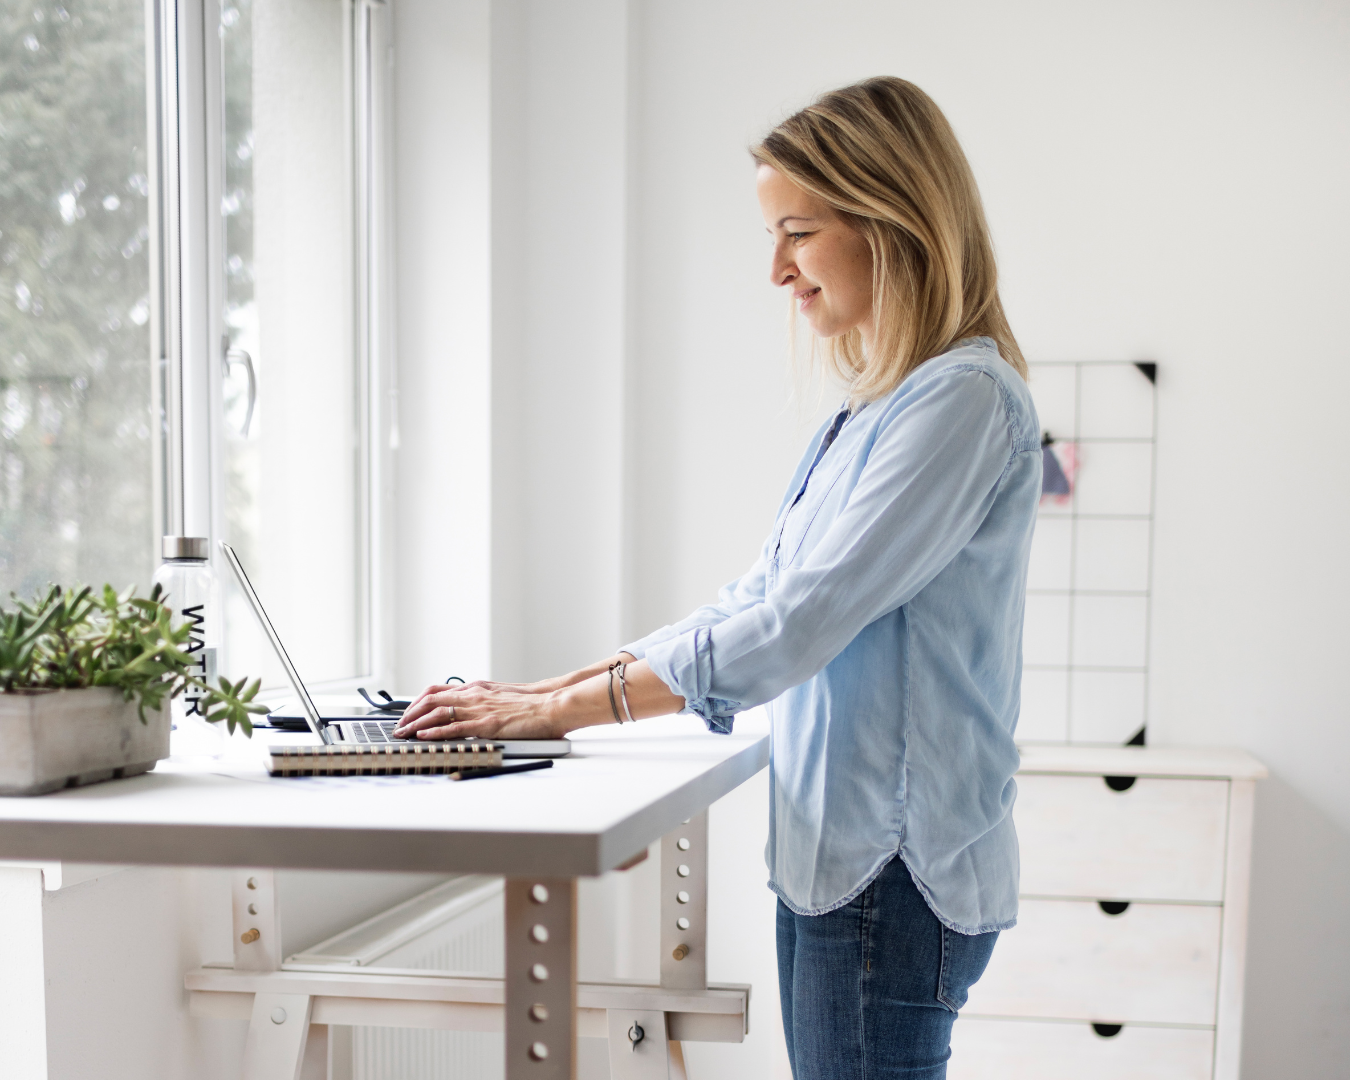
621 789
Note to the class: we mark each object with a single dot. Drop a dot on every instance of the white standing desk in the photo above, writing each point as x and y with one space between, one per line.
619 791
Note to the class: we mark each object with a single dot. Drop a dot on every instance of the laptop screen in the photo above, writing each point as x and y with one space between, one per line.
316 724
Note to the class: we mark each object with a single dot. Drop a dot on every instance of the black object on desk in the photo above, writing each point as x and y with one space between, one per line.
499 770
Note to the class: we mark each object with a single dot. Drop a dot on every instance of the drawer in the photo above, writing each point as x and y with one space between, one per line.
1157 840
1068 959
1034 1050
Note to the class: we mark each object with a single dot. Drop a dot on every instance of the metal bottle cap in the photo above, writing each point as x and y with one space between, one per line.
186 547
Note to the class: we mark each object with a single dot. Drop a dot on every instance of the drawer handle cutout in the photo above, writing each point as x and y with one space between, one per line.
1107 1031
1120 783
1114 907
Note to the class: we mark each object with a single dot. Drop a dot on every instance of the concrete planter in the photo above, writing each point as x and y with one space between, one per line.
51 739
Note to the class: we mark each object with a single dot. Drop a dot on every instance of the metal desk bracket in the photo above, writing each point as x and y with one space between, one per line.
257 922
684 905
641 1046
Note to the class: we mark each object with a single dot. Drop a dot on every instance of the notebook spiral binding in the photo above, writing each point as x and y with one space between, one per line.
392 759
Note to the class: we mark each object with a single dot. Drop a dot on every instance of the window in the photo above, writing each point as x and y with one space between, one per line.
77 447
190 259
295 490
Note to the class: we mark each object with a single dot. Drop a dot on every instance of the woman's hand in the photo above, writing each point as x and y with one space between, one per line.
484 709
547 710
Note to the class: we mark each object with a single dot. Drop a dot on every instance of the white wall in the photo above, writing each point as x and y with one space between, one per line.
442 188
559 185
511 182
1165 181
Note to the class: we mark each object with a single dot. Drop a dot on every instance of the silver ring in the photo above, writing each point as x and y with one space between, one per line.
452 714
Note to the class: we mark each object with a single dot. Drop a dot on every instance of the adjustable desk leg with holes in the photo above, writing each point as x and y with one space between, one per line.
539 1005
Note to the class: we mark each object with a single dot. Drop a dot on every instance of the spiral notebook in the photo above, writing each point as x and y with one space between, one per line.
388 759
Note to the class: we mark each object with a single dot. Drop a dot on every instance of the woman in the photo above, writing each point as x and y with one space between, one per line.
882 621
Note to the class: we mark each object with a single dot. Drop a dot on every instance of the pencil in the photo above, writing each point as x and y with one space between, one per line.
474 774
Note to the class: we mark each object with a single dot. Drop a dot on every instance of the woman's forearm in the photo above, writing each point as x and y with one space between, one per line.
586 702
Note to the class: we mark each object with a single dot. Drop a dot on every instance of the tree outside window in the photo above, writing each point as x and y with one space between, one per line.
76 427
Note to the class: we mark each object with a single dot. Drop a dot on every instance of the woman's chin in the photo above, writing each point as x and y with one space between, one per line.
826 328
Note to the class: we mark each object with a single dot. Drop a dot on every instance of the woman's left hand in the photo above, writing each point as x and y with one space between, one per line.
488 712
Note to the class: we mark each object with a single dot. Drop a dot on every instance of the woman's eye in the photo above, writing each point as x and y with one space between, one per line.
797 235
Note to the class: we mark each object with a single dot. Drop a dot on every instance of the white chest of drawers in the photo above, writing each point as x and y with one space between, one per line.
1127 960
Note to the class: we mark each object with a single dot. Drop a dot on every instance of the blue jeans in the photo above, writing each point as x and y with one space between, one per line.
871 989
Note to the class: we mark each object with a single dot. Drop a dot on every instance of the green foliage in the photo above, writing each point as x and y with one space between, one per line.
76 422
67 639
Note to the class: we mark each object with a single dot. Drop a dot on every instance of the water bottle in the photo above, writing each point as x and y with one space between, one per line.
192 594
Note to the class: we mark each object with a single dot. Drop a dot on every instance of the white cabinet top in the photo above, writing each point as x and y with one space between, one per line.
1204 762
621 789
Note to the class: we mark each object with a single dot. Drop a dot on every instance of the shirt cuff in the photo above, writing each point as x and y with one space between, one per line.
685 665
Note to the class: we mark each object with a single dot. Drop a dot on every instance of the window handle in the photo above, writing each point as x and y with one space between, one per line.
239 356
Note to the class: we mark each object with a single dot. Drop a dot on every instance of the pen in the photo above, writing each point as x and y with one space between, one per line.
474 774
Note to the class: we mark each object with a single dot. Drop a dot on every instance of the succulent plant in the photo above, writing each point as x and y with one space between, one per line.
65 639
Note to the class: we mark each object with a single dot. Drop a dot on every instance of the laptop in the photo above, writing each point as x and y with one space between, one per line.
355 725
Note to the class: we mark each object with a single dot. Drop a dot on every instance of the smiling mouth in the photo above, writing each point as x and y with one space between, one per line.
806 297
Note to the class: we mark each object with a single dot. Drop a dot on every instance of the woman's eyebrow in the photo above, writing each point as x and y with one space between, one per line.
792 217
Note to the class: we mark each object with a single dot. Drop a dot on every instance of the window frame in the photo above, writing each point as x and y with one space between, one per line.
185 107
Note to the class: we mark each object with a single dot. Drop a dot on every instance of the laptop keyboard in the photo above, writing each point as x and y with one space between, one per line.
374 731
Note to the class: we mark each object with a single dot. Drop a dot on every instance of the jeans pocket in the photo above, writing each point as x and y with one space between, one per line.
964 958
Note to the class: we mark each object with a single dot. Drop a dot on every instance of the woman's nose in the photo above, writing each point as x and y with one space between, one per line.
782 269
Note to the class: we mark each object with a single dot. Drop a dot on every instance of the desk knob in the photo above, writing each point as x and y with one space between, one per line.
248 937
681 951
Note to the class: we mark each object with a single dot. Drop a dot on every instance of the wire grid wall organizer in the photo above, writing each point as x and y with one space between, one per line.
1086 641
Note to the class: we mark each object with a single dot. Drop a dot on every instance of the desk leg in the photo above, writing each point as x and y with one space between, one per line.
684 905
277 1033
23 983
684 919
541 978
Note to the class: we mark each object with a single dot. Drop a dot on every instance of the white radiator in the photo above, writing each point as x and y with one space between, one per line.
456 927
409 1054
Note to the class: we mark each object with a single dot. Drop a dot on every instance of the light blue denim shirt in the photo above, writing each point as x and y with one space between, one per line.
882 624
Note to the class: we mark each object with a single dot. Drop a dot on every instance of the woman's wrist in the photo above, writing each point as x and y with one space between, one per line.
588 703
575 706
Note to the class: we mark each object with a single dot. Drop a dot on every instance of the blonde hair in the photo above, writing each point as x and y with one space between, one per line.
883 156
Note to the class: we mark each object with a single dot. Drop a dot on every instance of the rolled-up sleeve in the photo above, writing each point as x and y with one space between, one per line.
930 478
686 662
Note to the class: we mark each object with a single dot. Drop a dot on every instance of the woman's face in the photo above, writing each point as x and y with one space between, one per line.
818 255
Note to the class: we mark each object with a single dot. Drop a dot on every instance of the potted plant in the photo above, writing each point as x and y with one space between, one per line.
85 685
